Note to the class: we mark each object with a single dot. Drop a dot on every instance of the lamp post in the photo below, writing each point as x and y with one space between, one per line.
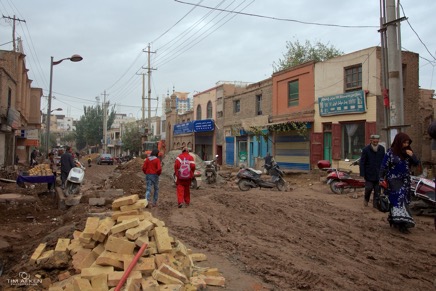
73 58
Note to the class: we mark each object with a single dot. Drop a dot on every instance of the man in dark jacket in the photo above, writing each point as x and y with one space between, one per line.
370 162
67 163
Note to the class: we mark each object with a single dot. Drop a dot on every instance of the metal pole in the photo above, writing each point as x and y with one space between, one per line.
149 96
143 98
395 84
47 142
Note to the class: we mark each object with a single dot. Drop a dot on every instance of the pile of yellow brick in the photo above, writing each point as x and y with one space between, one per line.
105 248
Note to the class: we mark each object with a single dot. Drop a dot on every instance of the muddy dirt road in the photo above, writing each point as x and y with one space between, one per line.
305 239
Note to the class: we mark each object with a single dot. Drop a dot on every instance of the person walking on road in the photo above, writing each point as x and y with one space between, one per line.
53 168
184 168
370 163
33 155
152 169
396 169
67 163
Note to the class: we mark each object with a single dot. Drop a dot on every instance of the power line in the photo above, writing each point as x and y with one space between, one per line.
166 31
189 46
279 19
402 9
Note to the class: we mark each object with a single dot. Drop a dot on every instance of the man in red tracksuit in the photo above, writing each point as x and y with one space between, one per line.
183 186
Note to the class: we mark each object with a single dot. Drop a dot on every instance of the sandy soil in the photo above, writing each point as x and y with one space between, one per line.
304 239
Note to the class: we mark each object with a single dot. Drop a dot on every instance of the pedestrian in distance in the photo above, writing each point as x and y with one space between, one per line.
395 169
268 163
152 169
53 168
33 158
67 163
370 163
184 168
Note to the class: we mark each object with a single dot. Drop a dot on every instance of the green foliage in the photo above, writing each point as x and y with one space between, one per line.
257 131
132 138
68 138
300 127
43 138
89 129
298 53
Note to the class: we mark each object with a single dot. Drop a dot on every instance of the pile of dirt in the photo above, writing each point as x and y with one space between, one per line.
129 177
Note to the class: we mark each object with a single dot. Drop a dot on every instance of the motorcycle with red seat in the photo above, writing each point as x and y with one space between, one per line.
339 180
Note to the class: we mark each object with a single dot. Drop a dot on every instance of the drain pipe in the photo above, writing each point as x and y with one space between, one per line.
130 267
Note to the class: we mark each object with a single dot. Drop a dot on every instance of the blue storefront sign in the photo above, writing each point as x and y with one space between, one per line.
183 128
350 102
203 125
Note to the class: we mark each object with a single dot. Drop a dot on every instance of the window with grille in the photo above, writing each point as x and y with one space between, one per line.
236 106
293 93
353 139
353 78
259 104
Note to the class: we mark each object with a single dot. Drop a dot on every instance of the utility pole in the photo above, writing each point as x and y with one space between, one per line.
105 106
392 72
143 98
149 68
13 29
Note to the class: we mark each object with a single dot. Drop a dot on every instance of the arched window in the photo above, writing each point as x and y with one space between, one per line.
198 112
209 109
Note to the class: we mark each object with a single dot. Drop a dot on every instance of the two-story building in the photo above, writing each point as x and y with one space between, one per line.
246 113
349 104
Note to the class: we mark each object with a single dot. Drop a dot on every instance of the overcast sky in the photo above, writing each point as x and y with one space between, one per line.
193 47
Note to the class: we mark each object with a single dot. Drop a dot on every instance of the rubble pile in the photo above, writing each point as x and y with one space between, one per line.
108 247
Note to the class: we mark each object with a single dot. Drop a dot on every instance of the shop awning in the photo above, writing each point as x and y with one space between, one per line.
31 142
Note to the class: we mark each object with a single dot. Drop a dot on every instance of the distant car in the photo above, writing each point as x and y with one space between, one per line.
105 159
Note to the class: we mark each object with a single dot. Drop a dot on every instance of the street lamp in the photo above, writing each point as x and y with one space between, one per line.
57 109
73 58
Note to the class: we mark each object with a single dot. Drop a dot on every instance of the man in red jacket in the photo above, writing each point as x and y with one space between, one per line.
184 184
152 169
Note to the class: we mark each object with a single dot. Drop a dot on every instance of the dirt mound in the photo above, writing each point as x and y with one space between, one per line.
129 177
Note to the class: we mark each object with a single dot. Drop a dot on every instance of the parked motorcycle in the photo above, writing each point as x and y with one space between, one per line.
251 178
340 180
75 179
211 170
423 189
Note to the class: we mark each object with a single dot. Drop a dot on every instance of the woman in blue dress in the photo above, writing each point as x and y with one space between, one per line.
395 169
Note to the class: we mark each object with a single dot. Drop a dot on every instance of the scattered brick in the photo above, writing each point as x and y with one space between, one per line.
120 245
125 225
62 245
37 253
163 240
127 200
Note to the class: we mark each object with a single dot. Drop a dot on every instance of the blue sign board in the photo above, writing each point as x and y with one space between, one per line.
182 128
203 125
350 102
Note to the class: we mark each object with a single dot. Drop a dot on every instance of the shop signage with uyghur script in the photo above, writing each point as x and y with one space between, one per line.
203 125
347 103
183 128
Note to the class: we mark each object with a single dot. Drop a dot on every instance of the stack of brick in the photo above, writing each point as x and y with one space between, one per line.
105 248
